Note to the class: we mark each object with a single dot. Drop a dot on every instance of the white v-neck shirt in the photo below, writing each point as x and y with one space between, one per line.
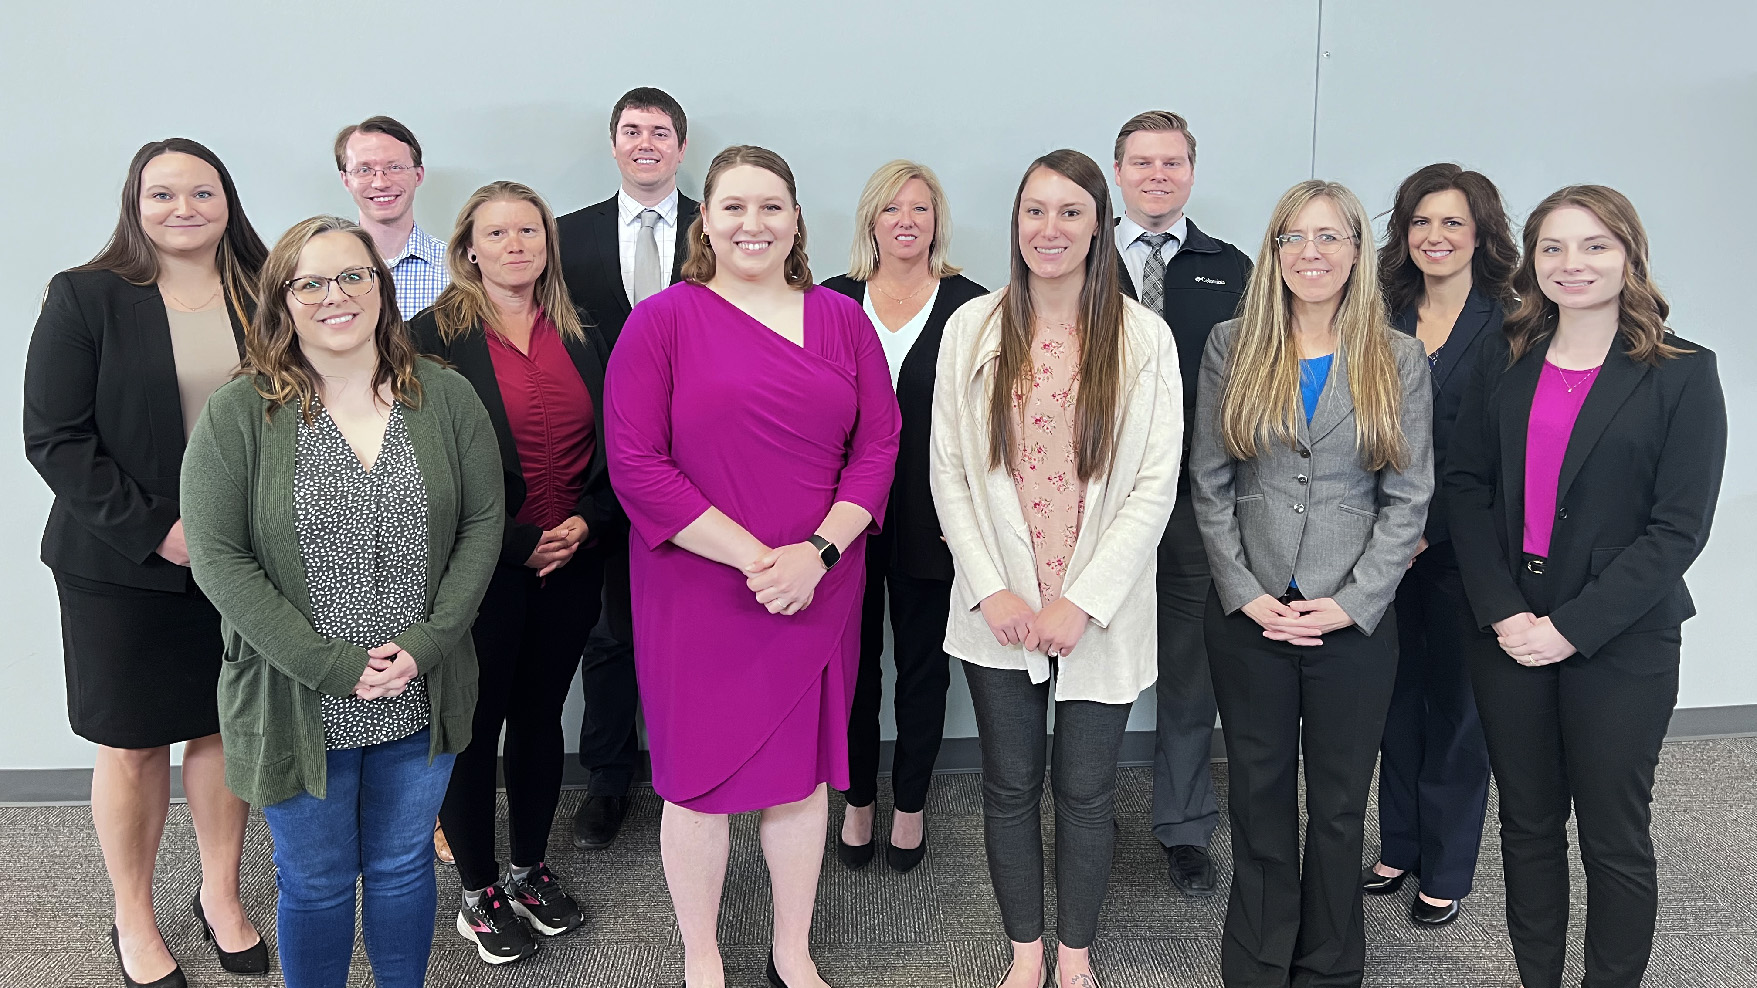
898 342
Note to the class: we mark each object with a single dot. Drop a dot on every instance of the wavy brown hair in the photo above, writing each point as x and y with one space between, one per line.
1496 255
1099 330
699 268
1260 402
1641 309
464 303
130 252
271 348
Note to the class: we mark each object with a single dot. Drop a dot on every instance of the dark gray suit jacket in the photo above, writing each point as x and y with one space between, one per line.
1312 513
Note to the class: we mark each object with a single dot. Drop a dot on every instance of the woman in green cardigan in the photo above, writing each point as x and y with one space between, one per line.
344 509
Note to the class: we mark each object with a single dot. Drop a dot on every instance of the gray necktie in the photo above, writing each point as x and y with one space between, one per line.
1153 275
647 279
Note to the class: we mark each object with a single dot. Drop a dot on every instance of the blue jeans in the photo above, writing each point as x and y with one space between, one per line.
376 823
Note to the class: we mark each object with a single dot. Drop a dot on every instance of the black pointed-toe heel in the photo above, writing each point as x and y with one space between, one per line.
1427 914
173 980
250 960
902 859
855 856
774 975
1373 883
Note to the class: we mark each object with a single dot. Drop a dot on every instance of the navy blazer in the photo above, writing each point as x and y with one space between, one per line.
1639 483
103 424
1479 321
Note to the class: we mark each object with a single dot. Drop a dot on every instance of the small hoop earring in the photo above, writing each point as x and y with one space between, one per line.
472 256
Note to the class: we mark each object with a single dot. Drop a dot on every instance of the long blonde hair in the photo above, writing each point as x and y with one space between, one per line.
1261 400
464 303
881 188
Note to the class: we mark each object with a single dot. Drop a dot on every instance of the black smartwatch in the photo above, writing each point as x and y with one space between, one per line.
826 551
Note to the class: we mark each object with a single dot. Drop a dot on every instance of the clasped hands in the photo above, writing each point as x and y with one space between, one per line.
1054 631
557 546
1297 622
785 579
1531 640
388 671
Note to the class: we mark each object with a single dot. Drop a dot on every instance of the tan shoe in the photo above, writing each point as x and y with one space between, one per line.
441 846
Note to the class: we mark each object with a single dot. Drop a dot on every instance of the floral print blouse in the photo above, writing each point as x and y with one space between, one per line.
1046 455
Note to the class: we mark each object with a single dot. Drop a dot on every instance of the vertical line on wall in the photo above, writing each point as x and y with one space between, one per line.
1317 81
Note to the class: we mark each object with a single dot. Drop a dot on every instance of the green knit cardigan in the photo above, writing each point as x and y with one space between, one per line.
238 518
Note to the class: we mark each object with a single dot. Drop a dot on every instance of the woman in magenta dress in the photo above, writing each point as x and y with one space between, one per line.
752 433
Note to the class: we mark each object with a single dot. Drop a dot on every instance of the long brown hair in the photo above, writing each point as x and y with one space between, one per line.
1641 309
1260 402
464 303
130 252
699 268
1099 330
271 348
1496 255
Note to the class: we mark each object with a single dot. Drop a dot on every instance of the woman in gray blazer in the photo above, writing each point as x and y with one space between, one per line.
1312 466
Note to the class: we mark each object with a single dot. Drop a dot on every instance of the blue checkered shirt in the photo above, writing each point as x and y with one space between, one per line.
419 271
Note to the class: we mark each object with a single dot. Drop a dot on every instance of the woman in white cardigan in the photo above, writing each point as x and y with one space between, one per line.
1057 418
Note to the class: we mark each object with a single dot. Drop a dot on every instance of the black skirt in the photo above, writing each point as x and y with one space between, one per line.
142 665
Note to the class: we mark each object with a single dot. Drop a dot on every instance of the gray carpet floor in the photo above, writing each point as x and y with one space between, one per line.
937 925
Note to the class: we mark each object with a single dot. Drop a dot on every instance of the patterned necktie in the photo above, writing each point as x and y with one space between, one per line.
1153 275
647 279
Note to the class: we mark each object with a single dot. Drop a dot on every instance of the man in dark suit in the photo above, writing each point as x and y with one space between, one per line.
1193 281
614 254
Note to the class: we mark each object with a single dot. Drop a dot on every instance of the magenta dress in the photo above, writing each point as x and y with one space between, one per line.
705 406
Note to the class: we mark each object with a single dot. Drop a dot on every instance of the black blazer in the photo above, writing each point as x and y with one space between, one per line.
1478 322
1639 483
103 424
469 355
913 525
591 261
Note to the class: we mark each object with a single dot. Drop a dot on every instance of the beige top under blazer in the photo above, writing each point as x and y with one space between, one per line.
1111 575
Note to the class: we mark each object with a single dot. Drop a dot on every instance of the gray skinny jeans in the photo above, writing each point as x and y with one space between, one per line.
1010 718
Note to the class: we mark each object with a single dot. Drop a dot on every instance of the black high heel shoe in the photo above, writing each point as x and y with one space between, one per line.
250 960
902 859
855 856
173 980
774 975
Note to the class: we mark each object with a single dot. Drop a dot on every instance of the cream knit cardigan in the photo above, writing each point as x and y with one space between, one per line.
1112 574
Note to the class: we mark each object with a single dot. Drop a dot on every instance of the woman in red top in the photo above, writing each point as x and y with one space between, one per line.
507 325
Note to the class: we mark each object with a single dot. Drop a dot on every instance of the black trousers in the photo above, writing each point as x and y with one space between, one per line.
1184 808
609 744
1433 764
528 635
1586 732
919 611
1286 924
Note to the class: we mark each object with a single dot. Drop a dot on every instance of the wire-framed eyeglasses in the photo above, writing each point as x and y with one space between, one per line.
1326 242
313 290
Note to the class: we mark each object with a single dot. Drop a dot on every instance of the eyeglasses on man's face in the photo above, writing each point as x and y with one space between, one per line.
1327 242
313 290
364 173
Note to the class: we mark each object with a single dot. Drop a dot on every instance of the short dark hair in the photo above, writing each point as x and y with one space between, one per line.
381 124
648 98
1497 253
1155 120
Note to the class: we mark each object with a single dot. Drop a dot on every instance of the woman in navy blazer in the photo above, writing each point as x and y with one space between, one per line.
1582 480
1445 268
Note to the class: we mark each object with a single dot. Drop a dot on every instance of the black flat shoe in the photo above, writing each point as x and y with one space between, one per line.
1428 914
854 856
173 980
1191 870
902 859
250 960
1373 883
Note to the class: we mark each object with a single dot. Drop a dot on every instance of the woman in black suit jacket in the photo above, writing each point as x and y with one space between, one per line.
1582 481
900 252
506 323
1446 269
126 351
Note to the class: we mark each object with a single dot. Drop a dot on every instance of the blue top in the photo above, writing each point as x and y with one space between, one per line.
1312 375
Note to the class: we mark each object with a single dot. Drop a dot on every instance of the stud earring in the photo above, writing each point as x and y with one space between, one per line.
472 256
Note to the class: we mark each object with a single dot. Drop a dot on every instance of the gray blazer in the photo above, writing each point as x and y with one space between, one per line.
1312 513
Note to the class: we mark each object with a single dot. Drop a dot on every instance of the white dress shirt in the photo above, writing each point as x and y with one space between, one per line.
897 343
629 230
1134 252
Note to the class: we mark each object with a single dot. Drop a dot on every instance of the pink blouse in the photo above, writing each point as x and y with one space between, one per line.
1555 406
1046 455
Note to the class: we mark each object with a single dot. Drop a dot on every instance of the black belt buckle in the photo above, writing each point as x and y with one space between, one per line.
1534 565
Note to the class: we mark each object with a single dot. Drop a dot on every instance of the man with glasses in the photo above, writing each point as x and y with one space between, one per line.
1193 281
380 162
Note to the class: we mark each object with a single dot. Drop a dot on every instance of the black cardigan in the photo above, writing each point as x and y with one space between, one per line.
913 526
1637 493
103 424
469 355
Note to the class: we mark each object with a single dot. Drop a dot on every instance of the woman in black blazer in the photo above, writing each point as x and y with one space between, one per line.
1582 480
900 250
1446 269
506 323
127 350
